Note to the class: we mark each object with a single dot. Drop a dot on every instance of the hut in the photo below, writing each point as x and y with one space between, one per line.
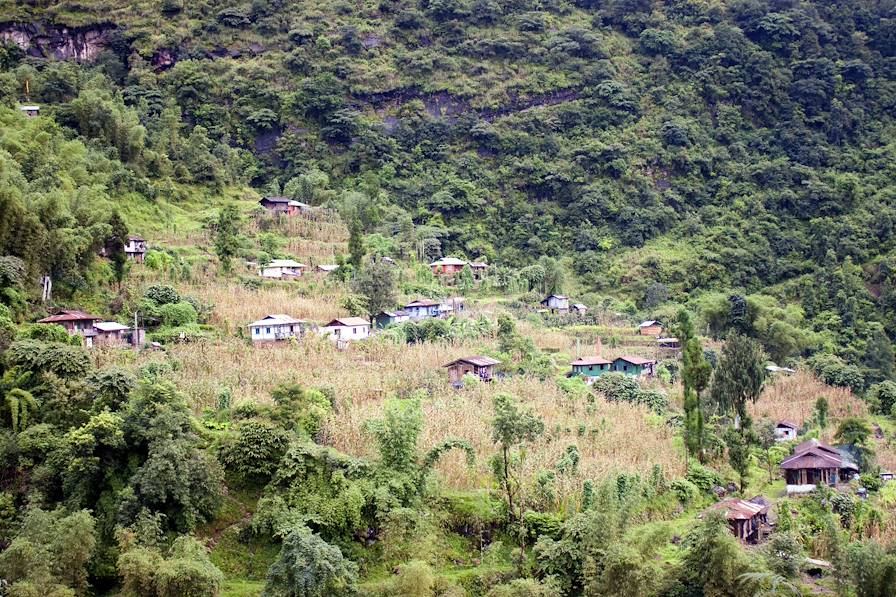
346 329
75 322
634 366
650 328
422 308
556 303
590 367
482 367
447 266
387 318
276 327
786 430
282 269
746 519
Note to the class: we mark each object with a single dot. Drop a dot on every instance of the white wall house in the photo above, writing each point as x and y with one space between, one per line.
346 329
786 431
422 309
281 269
276 327
556 303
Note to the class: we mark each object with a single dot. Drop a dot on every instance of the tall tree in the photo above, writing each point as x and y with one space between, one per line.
739 377
695 374
879 357
355 243
511 427
115 244
227 236
376 283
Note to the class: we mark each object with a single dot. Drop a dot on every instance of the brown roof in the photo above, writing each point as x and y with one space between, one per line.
635 360
786 423
590 361
736 509
814 443
814 454
69 315
478 361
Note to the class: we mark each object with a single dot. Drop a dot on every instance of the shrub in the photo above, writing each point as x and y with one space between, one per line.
882 397
256 452
617 387
684 490
161 294
310 567
178 314
702 477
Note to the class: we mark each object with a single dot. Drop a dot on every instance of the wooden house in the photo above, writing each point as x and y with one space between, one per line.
277 327
668 344
136 248
326 268
452 306
386 318
479 269
346 329
579 308
114 335
284 206
76 323
747 519
422 309
447 266
814 463
786 431
634 366
282 269
482 367
556 303
31 111
590 367
650 328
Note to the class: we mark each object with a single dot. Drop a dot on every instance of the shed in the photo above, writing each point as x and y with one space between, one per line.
579 308
483 367
346 329
282 269
634 366
326 268
650 328
30 111
277 327
136 248
478 268
556 303
786 430
387 318
590 367
745 518
284 206
668 344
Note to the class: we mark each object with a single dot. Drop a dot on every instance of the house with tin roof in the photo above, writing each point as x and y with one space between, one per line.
480 366
277 327
590 367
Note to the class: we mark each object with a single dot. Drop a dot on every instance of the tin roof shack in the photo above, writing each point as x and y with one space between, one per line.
327 268
136 248
447 266
386 318
284 206
579 308
282 269
786 431
590 368
634 366
478 269
346 329
650 328
482 367
277 327
556 303
745 518
814 463
111 334
422 309
30 111
452 306
76 323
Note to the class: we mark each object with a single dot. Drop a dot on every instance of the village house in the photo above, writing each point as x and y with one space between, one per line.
479 269
786 431
482 367
556 303
422 309
579 308
668 344
326 268
452 306
284 206
277 327
386 318
590 367
650 328
814 463
136 248
30 111
76 323
775 370
634 366
346 329
747 519
114 335
447 266
282 269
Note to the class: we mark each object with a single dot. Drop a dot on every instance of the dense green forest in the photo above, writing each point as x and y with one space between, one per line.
726 167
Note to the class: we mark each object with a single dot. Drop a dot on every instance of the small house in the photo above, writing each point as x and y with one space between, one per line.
634 366
590 367
814 463
650 328
886 476
76 323
422 309
747 519
111 334
277 327
135 249
786 431
452 306
775 370
579 308
447 266
284 206
479 269
556 303
30 111
668 344
346 329
282 269
326 268
482 367
386 318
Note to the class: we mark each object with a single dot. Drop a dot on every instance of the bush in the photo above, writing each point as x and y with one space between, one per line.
47 333
882 397
702 477
162 295
684 490
836 372
310 567
178 314
255 453
617 387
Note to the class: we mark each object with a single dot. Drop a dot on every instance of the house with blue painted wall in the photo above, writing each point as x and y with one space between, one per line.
590 367
422 309
634 366
387 318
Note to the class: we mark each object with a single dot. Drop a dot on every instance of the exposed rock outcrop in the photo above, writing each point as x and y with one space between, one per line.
81 44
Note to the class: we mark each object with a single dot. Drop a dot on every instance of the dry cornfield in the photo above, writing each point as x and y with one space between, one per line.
793 397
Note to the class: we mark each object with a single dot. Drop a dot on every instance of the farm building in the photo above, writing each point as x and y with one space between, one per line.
579 308
136 248
282 269
447 266
115 335
746 519
556 303
479 269
75 322
668 344
284 206
422 309
30 111
786 431
650 328
387 318
634 366
346 329
278 326
590 367
814 463
482 367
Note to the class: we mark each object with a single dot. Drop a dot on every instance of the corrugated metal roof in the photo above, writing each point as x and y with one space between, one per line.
479 361
635 360
69 315
422 303
276 319
737 509
348 322
590 361
284 263
448 261
110 326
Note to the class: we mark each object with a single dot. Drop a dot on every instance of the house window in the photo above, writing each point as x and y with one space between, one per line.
267 330
255 331
625 367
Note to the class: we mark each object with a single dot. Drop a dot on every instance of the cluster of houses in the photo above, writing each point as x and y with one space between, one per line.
94 331
420 309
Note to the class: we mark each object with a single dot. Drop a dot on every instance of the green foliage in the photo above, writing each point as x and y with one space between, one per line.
619 387
184 570
177 314
309 567
871 571
255 453
227 232
376 283
739 377
511 427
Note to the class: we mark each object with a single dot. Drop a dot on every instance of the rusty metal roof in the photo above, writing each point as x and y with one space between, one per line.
479 361
69 315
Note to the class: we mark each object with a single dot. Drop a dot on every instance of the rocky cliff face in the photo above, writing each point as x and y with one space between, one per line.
80 44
